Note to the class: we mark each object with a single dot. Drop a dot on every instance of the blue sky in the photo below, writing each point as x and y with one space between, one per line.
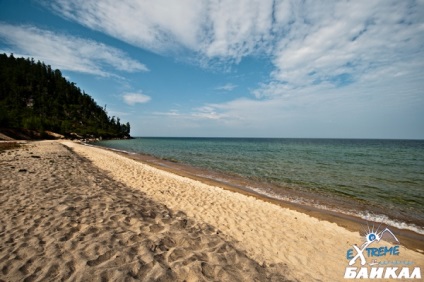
321 69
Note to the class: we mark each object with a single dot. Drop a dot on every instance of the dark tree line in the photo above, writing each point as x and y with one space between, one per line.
35 97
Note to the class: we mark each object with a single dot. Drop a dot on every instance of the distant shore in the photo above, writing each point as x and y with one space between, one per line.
11 134
74 212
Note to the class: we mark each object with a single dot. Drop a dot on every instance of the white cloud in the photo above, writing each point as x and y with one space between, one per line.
155 25
309 42
172 113
209 112
68 52
213 29
364 111
340 40
226 87
135 98
330 58
238 28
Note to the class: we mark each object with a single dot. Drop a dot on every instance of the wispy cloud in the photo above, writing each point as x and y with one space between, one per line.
135 98
209 112
226 87
213 29
68 52
328 58
145 24
364 111
342 42
171 113
309 42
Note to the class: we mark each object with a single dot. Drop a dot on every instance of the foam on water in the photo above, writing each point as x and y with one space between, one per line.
380 218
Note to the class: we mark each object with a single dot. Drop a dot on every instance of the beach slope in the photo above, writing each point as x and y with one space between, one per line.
76 212
62 218
307 248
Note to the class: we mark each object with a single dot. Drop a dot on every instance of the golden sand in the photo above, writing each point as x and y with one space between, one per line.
76 212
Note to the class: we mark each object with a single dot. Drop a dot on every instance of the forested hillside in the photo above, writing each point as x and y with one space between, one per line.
35 97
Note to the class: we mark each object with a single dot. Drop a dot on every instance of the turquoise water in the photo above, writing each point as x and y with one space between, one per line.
382 177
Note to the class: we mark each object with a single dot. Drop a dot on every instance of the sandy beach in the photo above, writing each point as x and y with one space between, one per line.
80 213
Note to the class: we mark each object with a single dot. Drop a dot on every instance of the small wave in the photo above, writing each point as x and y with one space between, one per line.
364 215
112 149
392 222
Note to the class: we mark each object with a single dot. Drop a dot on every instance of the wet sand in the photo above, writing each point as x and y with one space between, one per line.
74 212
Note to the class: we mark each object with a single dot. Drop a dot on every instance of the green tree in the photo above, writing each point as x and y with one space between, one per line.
33 96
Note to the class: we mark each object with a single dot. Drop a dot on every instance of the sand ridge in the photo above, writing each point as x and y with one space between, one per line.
61 218
311 249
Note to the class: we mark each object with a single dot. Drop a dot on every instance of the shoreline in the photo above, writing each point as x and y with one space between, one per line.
409 238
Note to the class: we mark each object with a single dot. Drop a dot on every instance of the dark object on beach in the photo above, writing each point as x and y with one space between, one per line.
22 170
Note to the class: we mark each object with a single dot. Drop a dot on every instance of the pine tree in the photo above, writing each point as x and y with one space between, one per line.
33 96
